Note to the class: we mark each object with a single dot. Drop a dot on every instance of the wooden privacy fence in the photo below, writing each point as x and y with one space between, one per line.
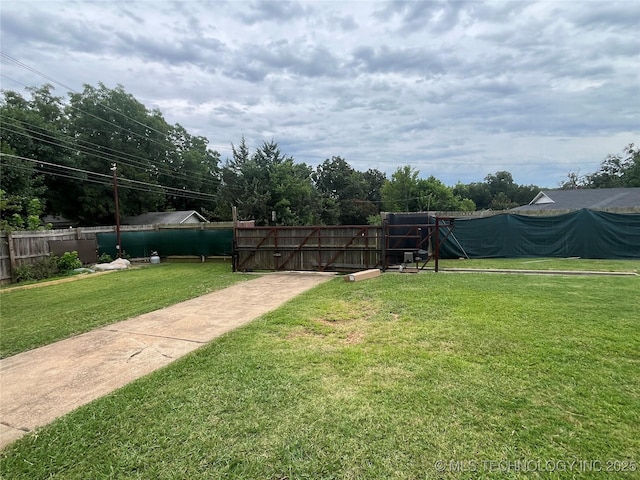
337 248
325 248
27 247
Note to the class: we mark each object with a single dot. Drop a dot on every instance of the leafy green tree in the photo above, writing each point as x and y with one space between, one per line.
433 195
235 186
400 192
14 215
498 192
406 192
293 195
111 126
478 192
349 197
618 170
31 131
574 180
632 169
269 182
375 180
189 166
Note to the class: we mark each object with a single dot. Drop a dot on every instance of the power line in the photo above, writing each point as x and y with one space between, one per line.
37 72
31 69
164 145
130 182
144 166
426 163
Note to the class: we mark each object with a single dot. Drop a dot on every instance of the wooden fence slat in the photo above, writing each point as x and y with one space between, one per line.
23 247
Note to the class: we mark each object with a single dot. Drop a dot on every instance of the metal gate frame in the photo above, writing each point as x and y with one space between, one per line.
337 248
405 238
334 248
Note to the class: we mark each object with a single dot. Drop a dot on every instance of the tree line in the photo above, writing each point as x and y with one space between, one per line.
57 156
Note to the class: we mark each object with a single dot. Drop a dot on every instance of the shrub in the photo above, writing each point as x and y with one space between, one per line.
105 258
45 268
24 273
69 261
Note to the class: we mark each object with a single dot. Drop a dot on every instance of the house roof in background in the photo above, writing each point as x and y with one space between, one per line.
163 218
58 221
592 198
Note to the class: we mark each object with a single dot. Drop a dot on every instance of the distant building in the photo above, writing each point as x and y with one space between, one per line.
58 221
165 218
622 200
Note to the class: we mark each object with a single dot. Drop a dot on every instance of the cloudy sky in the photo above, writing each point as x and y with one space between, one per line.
456 89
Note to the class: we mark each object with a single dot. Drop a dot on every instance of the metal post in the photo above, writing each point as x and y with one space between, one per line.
436 234
235 254
385 238
114 167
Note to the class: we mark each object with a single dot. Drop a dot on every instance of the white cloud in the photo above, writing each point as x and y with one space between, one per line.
456 89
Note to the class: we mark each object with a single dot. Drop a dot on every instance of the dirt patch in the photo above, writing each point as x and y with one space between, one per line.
354 338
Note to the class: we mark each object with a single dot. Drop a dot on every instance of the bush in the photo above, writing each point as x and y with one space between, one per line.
69 261
45 268
24 273
105 258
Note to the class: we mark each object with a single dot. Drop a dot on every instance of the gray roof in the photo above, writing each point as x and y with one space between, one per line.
615 199
164 218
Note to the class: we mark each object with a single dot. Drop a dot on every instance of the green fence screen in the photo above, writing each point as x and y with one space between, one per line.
169 242
584 233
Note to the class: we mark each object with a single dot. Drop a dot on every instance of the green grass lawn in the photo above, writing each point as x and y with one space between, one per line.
380 379
40 315
568 264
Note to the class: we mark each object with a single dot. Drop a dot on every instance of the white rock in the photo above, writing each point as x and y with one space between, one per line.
117 264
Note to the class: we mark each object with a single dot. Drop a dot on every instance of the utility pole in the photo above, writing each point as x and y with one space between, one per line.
114 167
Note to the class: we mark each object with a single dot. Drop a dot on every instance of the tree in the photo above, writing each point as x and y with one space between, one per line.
497 192
632 170
406 192
478 192
189 166
269 183
375 180
434 195
349 197
31 133
294 197
574 181
111 126
400 193
618 170
234 186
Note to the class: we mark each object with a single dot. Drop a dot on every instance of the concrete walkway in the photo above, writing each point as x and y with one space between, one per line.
45 383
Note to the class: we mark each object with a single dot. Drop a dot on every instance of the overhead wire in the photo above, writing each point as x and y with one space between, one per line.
143 166
48 77
127 181
166 145
44 75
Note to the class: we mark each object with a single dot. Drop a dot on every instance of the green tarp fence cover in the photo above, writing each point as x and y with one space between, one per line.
584 233
168 242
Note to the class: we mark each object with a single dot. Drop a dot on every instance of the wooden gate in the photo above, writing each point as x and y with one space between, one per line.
335 248
339 248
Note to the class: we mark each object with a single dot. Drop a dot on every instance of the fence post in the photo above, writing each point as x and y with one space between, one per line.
234 241
12 257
